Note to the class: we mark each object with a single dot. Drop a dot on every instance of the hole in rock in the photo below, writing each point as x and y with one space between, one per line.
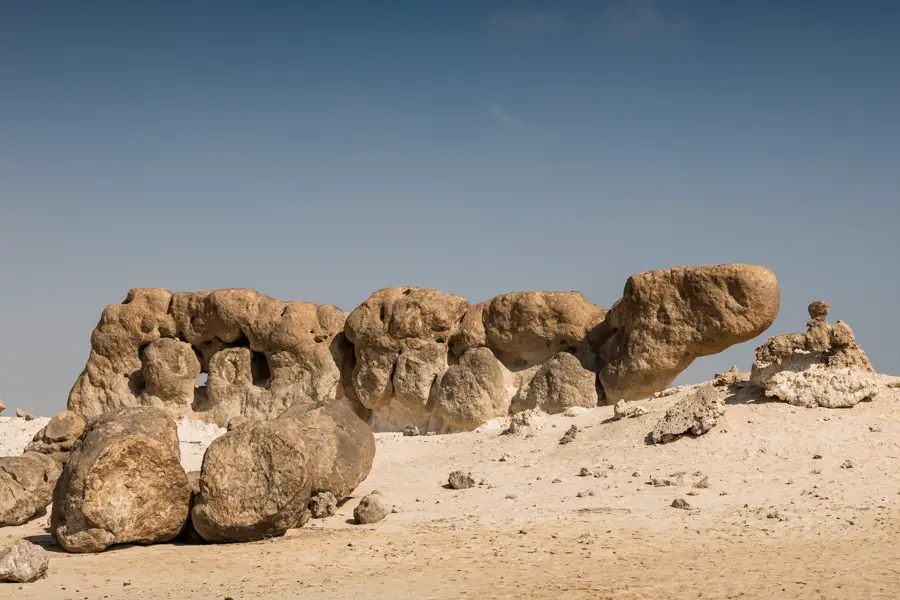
136 382
259 367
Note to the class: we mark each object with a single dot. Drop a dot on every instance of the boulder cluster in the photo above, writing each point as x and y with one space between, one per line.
414 357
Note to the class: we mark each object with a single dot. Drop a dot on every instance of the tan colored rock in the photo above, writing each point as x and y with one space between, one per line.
696 414
261 355
666 319
23 562
469 393
26 486
254 484
123 484
60 436
24 414
730 378
823 367
371 509
560 383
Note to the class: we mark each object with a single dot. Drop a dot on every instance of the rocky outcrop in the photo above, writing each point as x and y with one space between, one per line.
696 414
666 319
59 437
560 383
26 486
822 367
123 484
260 355
23 562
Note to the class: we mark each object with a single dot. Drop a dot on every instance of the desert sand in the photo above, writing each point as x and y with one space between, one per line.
801 503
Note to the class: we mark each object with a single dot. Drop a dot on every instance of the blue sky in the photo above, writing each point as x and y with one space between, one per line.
322 150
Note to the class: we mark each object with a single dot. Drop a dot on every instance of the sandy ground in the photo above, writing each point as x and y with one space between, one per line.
776 521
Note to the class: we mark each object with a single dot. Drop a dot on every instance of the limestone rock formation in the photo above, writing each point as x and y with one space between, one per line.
260 355
123 484
60 436
560 383
696 414
23 562
666 319
469 393
822 367
26 486
24 414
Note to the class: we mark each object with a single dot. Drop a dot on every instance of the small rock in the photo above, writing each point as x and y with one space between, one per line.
622 410
557 480
394 510
600 474
702 483
695 414
693 493
569 435
636 474
681 503
459 480
874 428
512 497
817 456
24 414
410 431
847 464
323 505
431 433
585 494
23 562
816 471
584 472
370 509
504 458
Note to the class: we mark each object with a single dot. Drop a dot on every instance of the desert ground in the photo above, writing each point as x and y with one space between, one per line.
801 503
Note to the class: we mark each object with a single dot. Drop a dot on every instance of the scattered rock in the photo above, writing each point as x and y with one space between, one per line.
585 494
123 484
817 456
622 410
847 464
410 431
504 458
371 509
585 472
556 480
732 377
874 428
570 435
681 503
460 480
322 505
702 483
23 562
695 414
512 497
24 414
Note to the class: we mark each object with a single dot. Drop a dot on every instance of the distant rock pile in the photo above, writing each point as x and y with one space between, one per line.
822 367
414 357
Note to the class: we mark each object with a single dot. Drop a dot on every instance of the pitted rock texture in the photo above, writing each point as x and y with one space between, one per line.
261 355
822 367
123 484
26 486
666 319
561 383
696 414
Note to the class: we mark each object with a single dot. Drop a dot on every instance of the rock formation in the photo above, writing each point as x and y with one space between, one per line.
59 437
26 486
415 357
666 319
822 367
23 562
696 414
371 509
260 355
123 484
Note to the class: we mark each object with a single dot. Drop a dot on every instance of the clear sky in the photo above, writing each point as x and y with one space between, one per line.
322 150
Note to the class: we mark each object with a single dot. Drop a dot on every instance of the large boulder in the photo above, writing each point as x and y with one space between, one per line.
561 383
123 484
23 562
59 437
261 355
666 319
26 486
469 393
822 367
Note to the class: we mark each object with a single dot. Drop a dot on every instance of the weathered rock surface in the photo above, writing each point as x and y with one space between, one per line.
60 436
371 509
123 484
666 319
26 486
469 393
23 562
696 414
261 355
322 505
24 414
460 480
560 383
823 367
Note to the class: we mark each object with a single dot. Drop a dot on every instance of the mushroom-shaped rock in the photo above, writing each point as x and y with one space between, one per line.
59 437
696 414
23 562
560 383
666 319
26 486
123 484
469 393
254 483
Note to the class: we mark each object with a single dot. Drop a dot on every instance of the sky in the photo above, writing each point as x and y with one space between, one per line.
320 151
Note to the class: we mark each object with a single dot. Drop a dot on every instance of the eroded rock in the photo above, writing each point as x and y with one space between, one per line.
123 484
560 383
23 562
371 509
26 486
60 436
696 414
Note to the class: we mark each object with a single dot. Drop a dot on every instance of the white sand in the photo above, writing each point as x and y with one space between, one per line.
15 433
